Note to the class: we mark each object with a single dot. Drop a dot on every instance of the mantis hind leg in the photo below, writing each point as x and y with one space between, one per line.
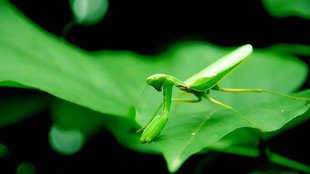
259 90
232 109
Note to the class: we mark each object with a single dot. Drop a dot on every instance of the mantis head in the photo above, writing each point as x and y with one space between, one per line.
157 81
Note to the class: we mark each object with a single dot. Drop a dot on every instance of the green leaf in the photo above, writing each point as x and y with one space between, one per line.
284 8
110 82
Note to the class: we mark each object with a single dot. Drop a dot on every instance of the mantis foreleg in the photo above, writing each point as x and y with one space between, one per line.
157 123
167 94
151 118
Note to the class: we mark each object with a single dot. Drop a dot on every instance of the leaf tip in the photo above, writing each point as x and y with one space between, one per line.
175 165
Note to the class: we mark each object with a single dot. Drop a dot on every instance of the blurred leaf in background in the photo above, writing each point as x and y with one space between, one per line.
66 141
26 168
285 8
27 104
4 151
89 12
291 49
69 116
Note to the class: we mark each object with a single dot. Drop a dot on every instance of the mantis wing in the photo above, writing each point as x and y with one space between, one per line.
212 74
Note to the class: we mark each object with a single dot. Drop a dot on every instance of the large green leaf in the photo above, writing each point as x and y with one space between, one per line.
110 82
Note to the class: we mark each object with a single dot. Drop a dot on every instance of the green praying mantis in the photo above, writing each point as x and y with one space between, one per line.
200 86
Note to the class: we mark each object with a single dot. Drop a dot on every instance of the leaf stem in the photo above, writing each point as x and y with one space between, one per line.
253 152
236 150
281 160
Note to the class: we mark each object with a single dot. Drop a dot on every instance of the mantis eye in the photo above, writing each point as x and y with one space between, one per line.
153 129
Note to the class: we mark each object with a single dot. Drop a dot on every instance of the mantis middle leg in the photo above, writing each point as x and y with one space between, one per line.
179 99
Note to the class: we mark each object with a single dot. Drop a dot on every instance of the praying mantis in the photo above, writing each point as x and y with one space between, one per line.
199 85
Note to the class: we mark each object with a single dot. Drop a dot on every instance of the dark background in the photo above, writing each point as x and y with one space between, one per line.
149 28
